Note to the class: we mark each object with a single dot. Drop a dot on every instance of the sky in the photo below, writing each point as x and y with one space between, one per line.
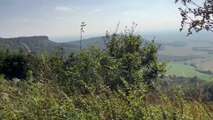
61 18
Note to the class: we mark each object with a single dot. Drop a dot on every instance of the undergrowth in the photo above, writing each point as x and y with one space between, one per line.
28 100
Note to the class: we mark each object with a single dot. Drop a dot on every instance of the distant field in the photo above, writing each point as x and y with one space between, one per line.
179 51
205 65
180 69
181 57
187 49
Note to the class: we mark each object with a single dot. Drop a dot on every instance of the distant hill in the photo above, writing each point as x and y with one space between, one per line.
35 44
40 44
97 41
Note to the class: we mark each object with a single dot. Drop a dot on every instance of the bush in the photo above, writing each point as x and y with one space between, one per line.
126 58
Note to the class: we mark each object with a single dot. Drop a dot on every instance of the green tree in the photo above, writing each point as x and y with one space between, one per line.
138 59
126 59
13 65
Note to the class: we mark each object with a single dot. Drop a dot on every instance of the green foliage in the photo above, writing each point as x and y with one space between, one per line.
29 100
18 64
138 60
13 65
125 58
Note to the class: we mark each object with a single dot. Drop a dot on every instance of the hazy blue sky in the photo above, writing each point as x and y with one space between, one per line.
59 18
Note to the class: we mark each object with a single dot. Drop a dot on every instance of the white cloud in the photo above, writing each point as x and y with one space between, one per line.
63 8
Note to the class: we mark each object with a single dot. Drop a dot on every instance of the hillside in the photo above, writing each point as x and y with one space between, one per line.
98 41
39 44
35 44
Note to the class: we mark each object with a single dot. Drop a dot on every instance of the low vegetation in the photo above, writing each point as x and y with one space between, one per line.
27 100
